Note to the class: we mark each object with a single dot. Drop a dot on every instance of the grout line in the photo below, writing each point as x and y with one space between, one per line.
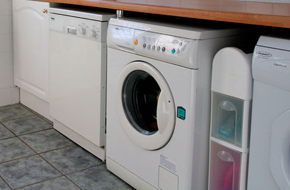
16 135
73 182
6 161
60 171
6 182
37 114
5 120
39 182
7 138
39 154
56 149
97 165
35 132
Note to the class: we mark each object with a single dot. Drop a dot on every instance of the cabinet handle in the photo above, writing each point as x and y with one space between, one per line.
44 10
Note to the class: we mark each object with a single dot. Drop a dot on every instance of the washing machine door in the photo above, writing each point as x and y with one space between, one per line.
145 106
280 151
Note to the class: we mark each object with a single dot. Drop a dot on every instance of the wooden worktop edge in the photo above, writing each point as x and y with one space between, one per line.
236 17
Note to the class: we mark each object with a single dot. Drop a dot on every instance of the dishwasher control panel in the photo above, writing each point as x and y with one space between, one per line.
84 28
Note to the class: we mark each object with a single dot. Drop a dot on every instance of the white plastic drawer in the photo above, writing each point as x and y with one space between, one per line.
225 166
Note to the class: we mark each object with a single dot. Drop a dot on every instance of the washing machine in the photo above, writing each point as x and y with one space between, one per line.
269 163
158 101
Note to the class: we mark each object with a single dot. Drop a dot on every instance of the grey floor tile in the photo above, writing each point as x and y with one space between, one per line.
25 171
46 140
71 159
13 112
61 183
98 178
13 148
5 133
27 125
3 185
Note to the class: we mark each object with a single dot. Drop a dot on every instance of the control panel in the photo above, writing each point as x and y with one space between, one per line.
171 49
158 44
84 28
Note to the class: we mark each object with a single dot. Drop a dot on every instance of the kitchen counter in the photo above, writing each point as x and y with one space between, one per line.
247 12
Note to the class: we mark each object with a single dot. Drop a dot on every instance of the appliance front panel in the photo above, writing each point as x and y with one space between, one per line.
78 84
186 153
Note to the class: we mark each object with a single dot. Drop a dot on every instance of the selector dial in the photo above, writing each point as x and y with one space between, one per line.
92 33
82 30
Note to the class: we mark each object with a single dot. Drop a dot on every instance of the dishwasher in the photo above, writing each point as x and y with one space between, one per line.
77 75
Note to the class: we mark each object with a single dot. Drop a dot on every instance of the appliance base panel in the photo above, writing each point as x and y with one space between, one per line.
80 140
36 104
127 176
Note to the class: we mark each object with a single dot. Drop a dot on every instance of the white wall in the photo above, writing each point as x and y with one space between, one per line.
9 94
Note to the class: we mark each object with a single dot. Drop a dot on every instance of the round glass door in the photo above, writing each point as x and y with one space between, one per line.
140 97
145 106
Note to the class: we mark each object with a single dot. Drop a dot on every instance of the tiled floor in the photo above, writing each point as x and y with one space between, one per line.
34 156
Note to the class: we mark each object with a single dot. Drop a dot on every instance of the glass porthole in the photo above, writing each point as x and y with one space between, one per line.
140 95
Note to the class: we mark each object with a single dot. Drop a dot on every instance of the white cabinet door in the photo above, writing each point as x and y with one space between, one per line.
30 43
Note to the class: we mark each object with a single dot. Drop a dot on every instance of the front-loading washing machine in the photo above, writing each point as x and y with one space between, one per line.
269 157
158 101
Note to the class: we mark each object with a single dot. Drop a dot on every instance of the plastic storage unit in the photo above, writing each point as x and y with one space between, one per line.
230 118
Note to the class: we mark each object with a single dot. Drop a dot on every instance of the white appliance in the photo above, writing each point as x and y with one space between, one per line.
269 164
158 102
78 76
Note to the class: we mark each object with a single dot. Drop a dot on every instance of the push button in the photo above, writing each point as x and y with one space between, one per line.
173 50
136 42
144 45
163 49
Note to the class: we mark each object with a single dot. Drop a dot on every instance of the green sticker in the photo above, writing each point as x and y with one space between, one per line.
181 113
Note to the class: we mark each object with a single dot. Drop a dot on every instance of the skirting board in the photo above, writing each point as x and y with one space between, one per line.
80 140
36 104
9 96
127 176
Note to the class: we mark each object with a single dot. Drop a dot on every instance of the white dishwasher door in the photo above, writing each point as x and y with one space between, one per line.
78 84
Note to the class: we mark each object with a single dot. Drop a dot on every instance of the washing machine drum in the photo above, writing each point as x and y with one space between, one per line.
145 106
280 151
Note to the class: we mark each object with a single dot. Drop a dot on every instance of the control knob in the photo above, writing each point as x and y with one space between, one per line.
92 33
82 30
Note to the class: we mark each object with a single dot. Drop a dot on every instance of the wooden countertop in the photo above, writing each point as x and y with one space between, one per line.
248 12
